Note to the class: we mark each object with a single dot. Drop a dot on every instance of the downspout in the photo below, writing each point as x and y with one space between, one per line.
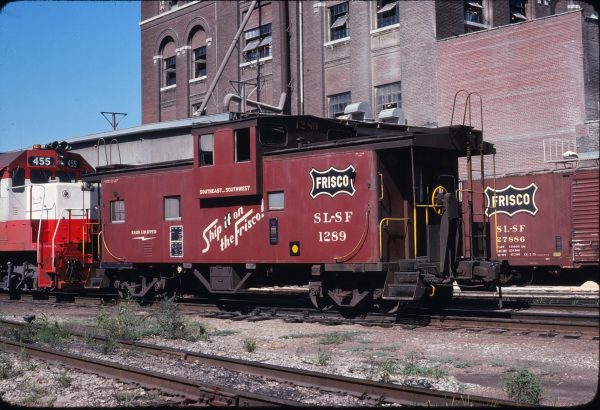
301 57
213 84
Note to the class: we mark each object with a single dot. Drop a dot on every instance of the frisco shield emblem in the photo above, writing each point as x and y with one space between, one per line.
511 200
333 182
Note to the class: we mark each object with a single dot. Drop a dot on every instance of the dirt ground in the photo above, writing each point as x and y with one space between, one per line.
474 363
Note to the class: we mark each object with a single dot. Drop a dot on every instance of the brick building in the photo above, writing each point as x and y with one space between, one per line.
533 62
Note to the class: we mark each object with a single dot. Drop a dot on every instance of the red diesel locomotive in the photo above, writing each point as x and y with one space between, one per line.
46 219
363 213
547 223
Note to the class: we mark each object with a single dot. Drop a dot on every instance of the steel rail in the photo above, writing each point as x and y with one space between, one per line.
202 393
371 391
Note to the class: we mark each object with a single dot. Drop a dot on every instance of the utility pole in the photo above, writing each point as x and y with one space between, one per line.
113 121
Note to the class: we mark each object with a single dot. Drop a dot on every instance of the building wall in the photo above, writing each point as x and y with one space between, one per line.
531 79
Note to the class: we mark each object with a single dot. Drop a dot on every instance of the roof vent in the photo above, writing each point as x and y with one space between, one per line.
392 116
359 111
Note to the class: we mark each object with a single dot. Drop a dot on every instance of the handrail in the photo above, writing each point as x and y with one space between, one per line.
381 228
59 219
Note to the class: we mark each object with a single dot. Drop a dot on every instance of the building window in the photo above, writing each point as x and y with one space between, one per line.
172 208
474 20
196 109
206 149
242 145
117 211
518 10
199 62
338 20
388 96
387 13
169 64
258 43
276 201
337 104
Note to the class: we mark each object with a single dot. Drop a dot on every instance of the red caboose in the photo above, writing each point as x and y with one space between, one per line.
547 222
45 219
272 200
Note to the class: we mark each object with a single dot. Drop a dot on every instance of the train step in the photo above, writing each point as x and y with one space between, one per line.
402 286
97 279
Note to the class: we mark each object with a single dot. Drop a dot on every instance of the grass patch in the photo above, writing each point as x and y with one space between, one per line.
7 369
412 367
458 364
336 338
42 330
388 368
249 344
523 386
323 358
64 380
171 325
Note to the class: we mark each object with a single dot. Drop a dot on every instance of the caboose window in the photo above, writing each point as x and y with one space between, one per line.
242 145
206 149
117 211
40 176
276 201
273 135
18 179
172 206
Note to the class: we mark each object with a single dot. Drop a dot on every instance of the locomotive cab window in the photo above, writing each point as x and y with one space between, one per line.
40 176
18 179
172 208
117 211
65 177
242 145
206 149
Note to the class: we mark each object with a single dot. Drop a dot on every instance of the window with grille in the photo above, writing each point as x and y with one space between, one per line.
172 207
518 11
199 62
117 211
337 104
388 96
258 43
338 20
170 71
474 19
387 13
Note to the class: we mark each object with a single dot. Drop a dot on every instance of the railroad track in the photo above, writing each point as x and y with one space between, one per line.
210 395
562 320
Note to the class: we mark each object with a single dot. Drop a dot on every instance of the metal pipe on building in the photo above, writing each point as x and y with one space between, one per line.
227 55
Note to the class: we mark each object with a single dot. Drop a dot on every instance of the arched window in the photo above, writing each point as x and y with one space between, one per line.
169 67
198 46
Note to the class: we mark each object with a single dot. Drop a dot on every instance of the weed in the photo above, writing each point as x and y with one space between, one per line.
125 326
496 363
336 338
6 368
458 364
523 386
50 332
388 368
412 367
64 380
249 344
323 358
359 348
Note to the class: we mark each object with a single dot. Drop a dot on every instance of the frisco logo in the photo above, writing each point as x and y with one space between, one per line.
333 181
511 200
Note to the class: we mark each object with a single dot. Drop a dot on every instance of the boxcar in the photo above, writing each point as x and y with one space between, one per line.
546 222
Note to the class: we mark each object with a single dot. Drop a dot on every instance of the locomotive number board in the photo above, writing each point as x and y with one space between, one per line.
39 161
